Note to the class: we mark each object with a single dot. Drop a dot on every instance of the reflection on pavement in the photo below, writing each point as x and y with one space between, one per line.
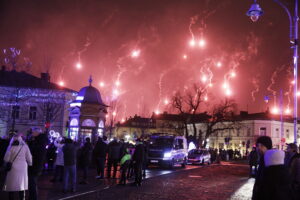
245 191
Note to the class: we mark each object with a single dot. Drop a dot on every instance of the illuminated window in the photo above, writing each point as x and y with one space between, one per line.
74 133
263 131
74 122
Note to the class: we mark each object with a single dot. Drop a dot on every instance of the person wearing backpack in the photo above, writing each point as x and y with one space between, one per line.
17 158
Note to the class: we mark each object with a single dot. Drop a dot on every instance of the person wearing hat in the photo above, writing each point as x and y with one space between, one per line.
263 143
276 183
292 162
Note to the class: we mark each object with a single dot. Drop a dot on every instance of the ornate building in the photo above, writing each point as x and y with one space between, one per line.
28 101
87 114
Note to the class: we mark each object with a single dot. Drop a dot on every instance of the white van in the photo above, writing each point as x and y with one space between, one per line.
167 151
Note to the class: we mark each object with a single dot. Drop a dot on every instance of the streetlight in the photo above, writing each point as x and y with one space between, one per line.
276 111
255 12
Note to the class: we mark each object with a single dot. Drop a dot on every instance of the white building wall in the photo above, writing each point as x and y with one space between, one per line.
249 130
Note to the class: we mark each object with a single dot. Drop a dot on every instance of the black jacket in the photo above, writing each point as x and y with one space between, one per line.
38 151
139 153
258 179
86 154
276 184
70 154
3 147
253 158
100 150
114 151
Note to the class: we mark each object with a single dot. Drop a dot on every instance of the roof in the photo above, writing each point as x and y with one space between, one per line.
244 115
23 79
90 94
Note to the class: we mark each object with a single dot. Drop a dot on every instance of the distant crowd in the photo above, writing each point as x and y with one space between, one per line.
23 160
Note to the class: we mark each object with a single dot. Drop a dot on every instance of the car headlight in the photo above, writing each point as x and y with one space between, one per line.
167 155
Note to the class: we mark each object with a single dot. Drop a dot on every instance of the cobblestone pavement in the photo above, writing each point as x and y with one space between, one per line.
216 182
226 181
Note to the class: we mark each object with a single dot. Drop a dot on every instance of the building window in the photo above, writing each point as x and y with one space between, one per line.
73 133
248 132
15 112
32 113
277 132
263 131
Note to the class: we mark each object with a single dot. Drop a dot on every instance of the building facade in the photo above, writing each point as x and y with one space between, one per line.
137 126
28 101
87 115
247 129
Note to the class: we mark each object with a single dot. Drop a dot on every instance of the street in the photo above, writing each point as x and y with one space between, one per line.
225 181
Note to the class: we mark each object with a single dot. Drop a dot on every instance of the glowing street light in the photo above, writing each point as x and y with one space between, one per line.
255 12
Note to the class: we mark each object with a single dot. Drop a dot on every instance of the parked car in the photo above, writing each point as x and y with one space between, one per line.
199 156
167 151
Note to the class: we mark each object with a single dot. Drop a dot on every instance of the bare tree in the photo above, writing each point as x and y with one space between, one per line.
188 104
220 118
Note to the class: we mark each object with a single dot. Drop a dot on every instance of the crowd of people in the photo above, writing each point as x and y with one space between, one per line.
277 173
29 156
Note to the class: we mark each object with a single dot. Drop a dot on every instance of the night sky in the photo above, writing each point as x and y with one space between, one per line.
101 35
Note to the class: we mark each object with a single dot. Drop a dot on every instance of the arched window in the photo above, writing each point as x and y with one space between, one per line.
74 122
89 123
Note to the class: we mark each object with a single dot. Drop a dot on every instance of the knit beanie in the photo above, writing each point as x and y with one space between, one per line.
274 157
266 141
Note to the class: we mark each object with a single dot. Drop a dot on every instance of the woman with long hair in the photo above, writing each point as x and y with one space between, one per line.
19 155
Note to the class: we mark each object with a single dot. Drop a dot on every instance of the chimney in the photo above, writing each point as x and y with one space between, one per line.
45 77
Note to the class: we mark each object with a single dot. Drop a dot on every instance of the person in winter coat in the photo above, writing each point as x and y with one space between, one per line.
37 145
292 162
59 162
99 155
114 150
138 159
19 155
263 144
125 161
253 162
4 142
70 155
275 182
85 159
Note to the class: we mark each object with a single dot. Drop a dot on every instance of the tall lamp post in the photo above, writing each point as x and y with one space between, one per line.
267 98
254 13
